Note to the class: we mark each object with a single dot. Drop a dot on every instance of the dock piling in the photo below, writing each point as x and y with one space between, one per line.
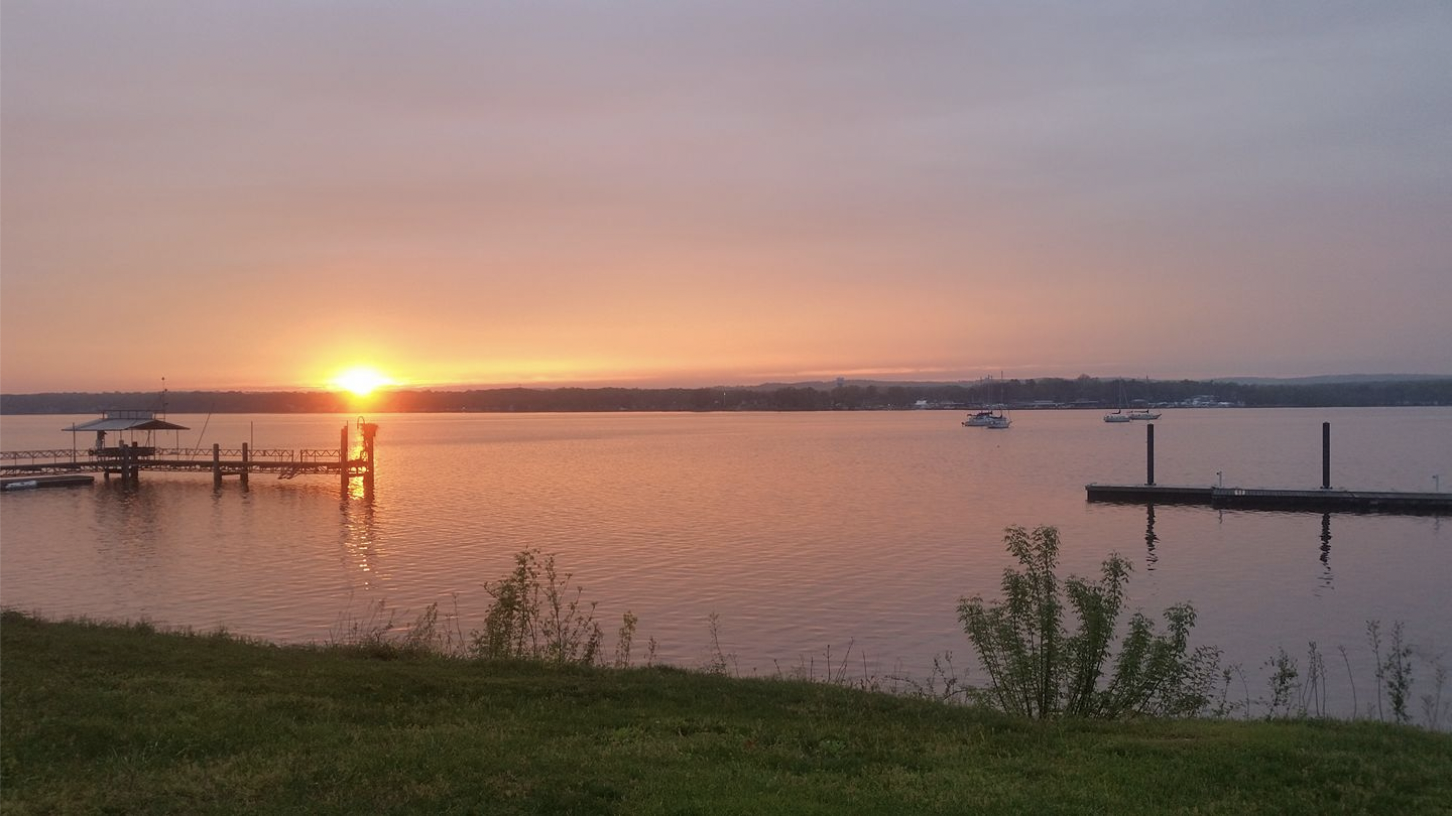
369 430
216 466
1325 456
1149 444
246 463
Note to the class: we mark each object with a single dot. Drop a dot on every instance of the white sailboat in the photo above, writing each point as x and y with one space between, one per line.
995 420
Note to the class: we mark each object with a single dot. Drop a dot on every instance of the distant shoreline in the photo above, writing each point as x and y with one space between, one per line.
1083 393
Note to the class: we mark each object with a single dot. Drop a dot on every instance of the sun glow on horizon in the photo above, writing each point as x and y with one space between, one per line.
361 380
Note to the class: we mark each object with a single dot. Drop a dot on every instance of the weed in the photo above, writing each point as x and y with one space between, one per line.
624 639
1351 678
1434 710
1398 674
942 683
1282 682
1313 691
1373 636
717 661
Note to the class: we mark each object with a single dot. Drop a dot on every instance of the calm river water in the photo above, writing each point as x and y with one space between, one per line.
800 531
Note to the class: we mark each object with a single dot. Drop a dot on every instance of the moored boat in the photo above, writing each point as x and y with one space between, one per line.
982 419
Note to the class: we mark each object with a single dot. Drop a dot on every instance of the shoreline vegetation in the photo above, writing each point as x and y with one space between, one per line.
849 395
533 711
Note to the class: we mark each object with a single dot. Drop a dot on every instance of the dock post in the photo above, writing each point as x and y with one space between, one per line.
1325 456
343 456
246 463
370 431
1149 446
216 465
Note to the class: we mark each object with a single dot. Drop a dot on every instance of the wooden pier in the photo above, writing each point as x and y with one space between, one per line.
1318 500
57 467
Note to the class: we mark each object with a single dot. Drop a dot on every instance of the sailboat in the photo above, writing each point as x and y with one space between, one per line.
990 419
1119 415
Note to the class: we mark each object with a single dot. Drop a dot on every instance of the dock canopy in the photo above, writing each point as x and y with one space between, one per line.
127 421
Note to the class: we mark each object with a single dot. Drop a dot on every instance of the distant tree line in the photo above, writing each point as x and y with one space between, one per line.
1084 391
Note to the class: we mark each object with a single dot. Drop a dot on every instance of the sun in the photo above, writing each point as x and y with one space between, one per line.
361 380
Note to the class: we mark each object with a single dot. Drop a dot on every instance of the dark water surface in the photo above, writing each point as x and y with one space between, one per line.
801 531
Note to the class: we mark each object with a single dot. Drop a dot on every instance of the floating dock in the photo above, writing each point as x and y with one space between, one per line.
1318 500
32 482
1248 498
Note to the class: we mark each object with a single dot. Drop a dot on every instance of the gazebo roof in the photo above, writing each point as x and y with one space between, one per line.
127 421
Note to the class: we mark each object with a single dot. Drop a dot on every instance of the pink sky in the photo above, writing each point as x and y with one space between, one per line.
260 194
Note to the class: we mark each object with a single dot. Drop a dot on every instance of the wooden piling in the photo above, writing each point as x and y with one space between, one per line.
246 463
216 465
1325 456
343 456
370 430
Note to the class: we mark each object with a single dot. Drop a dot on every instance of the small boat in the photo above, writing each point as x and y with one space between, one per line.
982 419
1143 415
991 418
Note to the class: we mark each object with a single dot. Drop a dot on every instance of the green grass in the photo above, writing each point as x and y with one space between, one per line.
100 719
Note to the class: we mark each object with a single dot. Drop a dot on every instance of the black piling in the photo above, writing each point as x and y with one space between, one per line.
1325 456
1149 453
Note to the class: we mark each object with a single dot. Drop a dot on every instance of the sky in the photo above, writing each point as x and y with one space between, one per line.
260 194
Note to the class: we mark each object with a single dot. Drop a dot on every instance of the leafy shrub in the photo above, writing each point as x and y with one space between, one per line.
1038 669
535 616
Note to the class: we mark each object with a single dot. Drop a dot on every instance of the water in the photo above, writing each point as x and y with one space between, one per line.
802 532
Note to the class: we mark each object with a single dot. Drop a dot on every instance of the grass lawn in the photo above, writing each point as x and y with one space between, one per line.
123 719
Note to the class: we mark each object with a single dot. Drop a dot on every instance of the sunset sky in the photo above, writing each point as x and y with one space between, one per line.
261 193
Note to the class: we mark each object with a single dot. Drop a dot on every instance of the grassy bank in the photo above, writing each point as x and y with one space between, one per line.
128 720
